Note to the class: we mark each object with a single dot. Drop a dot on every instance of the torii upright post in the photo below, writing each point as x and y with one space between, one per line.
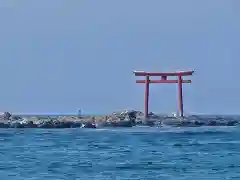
164 79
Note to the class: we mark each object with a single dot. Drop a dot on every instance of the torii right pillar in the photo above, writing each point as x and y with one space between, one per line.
164 80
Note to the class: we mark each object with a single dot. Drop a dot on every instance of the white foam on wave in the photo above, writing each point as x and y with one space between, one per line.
219 141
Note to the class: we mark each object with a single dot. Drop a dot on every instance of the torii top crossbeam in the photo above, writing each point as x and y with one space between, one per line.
164 79
179 73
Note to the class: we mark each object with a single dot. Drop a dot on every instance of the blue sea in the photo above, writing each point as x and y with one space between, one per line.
122 153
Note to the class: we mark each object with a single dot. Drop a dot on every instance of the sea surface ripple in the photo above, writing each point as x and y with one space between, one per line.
122 153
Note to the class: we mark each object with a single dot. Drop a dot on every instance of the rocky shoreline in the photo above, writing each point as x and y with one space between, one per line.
121 119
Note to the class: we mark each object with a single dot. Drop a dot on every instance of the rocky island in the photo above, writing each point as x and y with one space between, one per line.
117 119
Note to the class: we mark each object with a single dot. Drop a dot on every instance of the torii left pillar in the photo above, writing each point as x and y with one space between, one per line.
146 95
164 79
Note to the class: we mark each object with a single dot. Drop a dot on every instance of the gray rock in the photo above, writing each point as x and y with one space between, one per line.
7 115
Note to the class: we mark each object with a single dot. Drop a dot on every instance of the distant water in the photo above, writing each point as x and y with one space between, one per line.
123 153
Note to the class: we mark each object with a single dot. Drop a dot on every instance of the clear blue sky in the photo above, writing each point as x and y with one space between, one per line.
60 55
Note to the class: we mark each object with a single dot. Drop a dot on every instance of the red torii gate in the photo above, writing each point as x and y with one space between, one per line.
164 79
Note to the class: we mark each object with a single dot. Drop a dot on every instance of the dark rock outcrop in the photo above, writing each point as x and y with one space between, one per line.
117 124
89 125
4 125
232 123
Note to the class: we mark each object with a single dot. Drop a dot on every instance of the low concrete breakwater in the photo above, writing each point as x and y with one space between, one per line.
120 119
